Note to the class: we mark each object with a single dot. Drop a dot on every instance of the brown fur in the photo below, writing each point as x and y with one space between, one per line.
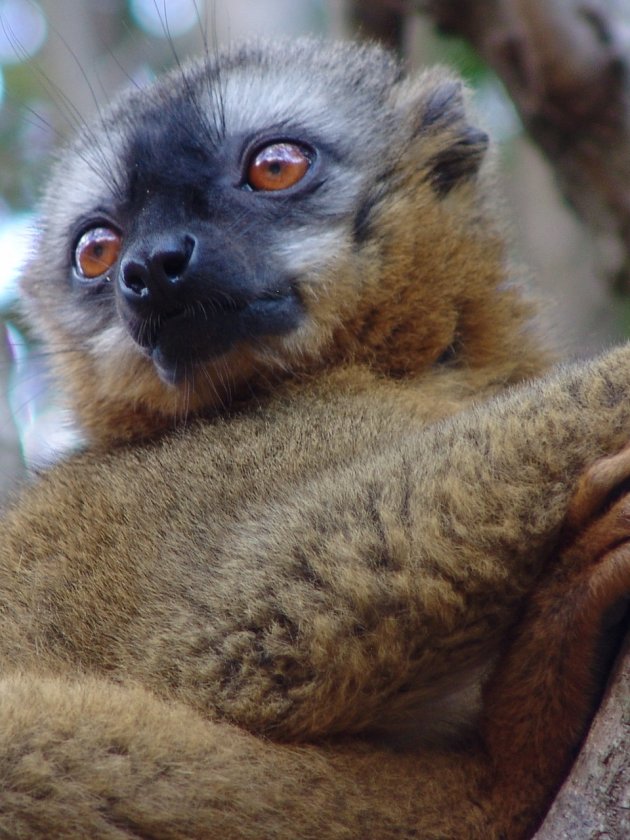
274 621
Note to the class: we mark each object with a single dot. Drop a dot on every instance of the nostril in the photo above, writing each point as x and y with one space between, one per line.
136 284
174 265
133 279
172 260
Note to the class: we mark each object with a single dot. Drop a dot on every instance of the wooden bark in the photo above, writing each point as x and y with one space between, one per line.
594 802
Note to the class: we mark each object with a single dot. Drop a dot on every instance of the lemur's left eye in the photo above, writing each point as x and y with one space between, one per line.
96 252
278 167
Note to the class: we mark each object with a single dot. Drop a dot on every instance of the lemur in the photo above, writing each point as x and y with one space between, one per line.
335 560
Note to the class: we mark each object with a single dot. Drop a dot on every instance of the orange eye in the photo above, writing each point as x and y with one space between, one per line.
278 167
97 251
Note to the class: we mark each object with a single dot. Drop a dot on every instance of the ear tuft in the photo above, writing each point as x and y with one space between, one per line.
455 149
458 162
444 107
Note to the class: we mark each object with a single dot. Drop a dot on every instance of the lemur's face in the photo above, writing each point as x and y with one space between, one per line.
192 255
210 214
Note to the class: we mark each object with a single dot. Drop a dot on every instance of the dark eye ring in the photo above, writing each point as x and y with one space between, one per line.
278 166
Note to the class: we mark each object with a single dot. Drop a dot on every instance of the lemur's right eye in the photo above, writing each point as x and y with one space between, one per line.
278 166
96 252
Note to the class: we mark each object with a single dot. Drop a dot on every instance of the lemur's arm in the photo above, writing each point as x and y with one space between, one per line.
385 580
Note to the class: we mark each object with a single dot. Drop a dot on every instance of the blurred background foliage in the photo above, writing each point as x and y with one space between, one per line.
60 60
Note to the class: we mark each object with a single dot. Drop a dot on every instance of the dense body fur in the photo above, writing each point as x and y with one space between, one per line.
272 614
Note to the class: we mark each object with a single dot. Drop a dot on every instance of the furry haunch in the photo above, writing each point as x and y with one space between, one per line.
335 560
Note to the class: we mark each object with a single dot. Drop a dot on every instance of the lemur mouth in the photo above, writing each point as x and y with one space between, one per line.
180 342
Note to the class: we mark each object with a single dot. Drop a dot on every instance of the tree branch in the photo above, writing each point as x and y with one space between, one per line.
595 799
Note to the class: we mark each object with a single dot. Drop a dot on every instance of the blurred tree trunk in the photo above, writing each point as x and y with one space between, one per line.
566 66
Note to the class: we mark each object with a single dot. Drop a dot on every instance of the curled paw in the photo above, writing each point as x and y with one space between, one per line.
598 519
594 551
604 482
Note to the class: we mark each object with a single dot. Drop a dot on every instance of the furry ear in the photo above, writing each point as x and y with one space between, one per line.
458 163
445 111
452 149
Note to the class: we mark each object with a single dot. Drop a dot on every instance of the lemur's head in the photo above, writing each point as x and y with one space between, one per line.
272 210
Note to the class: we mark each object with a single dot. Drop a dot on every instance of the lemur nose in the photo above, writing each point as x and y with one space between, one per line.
153 276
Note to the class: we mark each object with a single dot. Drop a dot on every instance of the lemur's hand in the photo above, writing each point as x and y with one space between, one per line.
599 487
